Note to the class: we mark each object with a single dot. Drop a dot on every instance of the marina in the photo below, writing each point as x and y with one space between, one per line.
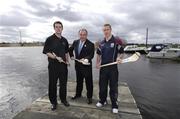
153 83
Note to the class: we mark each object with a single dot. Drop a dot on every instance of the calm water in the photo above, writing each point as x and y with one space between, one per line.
155 84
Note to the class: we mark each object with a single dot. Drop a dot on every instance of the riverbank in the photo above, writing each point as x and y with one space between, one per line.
33 44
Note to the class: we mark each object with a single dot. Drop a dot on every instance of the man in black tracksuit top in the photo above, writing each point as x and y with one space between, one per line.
110 50
84 50
56 49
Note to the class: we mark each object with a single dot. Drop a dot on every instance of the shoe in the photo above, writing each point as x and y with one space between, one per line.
66 103
53 107
114 110
89 101
100 104
75 97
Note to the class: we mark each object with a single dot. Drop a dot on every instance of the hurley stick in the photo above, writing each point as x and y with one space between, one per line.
132 58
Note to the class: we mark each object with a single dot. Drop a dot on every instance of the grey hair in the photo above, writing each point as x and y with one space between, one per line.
83 29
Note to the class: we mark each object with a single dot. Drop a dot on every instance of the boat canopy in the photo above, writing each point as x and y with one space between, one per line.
158 47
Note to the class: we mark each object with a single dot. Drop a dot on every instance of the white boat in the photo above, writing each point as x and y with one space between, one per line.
135 48
163 51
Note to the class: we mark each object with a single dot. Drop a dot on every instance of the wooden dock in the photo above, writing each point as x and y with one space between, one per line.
79 109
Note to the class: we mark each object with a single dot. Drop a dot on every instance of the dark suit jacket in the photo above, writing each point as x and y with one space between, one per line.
87 51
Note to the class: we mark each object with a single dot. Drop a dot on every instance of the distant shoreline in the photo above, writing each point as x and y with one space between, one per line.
21 44
34 44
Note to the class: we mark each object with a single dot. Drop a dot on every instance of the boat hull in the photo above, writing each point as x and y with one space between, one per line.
164 55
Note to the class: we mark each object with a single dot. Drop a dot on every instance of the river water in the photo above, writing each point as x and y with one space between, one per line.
154 83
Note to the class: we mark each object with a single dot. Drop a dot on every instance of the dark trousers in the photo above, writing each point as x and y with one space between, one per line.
109 75
84 72
57 71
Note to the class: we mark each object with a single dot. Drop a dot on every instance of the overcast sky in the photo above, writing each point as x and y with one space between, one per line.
129 19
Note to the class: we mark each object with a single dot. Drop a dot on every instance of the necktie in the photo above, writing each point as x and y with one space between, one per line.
80 47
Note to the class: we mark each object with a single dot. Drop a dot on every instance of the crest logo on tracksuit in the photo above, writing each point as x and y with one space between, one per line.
112 45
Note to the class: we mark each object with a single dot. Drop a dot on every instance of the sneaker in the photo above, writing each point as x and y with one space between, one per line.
115 110
100 104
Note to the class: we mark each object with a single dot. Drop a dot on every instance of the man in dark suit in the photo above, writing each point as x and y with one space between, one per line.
84 51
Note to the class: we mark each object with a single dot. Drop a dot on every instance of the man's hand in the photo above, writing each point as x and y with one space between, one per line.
50 55
82 59
119 60
59 59
98 65
86 60
98 61
72 58
54 55
68 63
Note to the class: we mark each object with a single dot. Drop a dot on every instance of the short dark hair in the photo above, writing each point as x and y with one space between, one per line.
107 25
57 22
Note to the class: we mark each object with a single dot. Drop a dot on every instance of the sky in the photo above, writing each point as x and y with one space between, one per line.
33 19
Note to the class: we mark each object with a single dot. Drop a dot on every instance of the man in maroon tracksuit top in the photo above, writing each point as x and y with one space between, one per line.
110 50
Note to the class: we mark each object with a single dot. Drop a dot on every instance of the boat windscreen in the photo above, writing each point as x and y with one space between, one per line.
157 48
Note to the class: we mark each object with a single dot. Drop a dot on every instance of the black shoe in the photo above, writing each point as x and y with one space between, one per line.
89 101
75 97
66 103
53 107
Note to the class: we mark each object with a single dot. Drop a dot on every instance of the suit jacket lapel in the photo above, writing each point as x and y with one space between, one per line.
76 47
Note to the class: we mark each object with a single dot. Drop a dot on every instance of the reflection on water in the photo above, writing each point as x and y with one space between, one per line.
155 84
23 78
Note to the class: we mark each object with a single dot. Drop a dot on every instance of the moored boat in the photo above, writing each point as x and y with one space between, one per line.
135 48
163 51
